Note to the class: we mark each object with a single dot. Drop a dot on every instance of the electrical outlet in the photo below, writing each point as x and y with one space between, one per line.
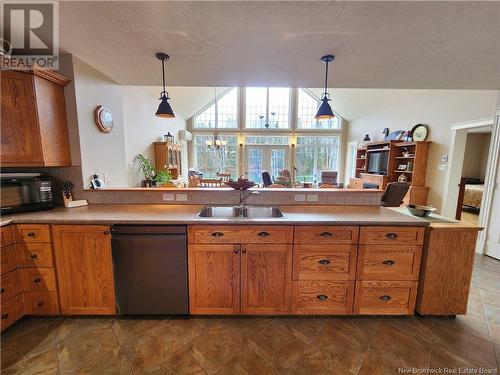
300 197
131 165
312 197
168 197
181 197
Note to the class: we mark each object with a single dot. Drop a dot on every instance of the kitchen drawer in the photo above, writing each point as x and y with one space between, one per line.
324 262
8 260
11 311
326 235
388 262
11 285
385 297
240 234
41 303
7 235
38 279
391 235
322 297
32 233
34 254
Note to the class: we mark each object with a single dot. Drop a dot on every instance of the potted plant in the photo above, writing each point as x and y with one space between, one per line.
148 171
163 178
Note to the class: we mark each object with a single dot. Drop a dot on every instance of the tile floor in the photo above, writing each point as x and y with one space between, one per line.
260 346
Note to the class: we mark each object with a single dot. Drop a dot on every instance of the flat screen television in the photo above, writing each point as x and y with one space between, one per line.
377 162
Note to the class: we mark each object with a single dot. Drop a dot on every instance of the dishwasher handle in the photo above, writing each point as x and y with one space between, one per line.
148 229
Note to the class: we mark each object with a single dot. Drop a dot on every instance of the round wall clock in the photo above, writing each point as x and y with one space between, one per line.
419 132
103 119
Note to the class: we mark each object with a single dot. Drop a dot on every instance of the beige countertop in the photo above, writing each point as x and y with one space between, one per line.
438 221
186 214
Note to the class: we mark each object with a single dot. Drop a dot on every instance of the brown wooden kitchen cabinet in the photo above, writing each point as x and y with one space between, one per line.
84 269
34 125
240 269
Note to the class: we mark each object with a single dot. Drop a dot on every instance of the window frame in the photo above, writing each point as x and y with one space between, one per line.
216 101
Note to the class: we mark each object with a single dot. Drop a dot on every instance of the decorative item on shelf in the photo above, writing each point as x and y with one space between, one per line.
402 177
164 109
325 110
240 184
407 136
66 187
103 118
385 133
419 132
169 138
409 166
96 182
365 140
395 135
402 167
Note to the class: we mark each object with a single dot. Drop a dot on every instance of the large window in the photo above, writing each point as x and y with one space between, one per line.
223 111
315 154
307 106
210 162
267 107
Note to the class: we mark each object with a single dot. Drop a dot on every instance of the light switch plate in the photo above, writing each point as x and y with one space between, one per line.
300 197
168 197
312 197
181 197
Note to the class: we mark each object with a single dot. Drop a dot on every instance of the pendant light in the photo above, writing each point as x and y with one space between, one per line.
325 110
164 109
215 144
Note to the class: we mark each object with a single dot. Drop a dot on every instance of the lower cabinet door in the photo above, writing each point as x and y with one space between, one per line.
322 297
266 278
385 297
84 269
214 279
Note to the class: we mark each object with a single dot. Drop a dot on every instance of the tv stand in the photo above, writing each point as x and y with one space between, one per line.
379 179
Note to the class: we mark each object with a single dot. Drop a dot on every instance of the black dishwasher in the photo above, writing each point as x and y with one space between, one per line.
150 269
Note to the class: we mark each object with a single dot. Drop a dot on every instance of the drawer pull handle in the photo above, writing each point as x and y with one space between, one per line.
106 232
40 304
326 234
217 234
324 262
31 234
244 250
33 256
5 316
322 297
391 236
236 249
263 234
385 298
2 290
37 280
389 262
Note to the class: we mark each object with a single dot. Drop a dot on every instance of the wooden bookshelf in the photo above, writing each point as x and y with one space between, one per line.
361 161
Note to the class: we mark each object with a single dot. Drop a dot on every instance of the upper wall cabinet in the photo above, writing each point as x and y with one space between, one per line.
34 126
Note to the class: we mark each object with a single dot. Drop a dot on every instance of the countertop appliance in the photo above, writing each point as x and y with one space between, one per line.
22 192
150 269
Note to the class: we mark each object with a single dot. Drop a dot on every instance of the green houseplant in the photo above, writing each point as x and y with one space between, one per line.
148 170
162 178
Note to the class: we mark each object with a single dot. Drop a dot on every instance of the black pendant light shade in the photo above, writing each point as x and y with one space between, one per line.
164 109
325 110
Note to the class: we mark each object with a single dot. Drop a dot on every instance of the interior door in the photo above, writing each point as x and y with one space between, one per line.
266 273
270 158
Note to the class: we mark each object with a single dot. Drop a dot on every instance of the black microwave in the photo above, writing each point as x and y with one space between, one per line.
23 192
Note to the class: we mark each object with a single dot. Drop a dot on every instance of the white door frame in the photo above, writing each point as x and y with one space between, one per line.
351 146
266 155
458 139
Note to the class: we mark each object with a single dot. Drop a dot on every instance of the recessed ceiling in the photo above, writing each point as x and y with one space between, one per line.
452 45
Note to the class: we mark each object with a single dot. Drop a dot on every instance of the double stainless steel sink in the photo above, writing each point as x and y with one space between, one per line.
234 212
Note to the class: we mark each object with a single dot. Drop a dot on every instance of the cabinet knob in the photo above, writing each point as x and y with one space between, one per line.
31 234
106 232
324 262
5 316
391 236
2 290
217 234
244 250
236 249
33 256
263 234
40 303
326 234
385 298
37 280
389 262
322 297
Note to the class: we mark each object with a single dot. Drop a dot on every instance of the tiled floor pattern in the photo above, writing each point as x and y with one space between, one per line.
260 346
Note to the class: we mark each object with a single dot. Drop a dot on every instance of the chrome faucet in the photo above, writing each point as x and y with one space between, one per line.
244 195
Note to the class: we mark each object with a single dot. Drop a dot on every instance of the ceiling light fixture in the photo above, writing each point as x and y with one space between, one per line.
215 144
164 109
325 110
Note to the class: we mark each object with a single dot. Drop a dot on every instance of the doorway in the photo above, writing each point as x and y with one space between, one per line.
265 158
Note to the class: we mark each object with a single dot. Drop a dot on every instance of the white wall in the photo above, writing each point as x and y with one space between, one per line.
476 153
100 152
402 109
142 128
